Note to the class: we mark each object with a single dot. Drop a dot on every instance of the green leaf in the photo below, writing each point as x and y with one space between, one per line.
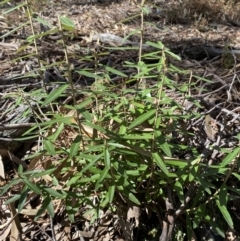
31 186
179 189
22 200
55 94
116 145
204 184
225 213
13 199
139 120
174 56
54 193
165 147
158 45
14 8
55 181
213 223
198 215
178 163
57 132
44 22
133 199
75 146
49 147
8 186
142 136
67 23
47 205
230 157
114 71
111 192
92 162
41 173
193 173
20 169
133 172
89 74
223 195
160 163
50 207
89 179
74 179
106 158
102 177
236 175
83 104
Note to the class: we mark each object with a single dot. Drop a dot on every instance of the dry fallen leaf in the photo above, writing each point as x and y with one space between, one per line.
2 172
134 212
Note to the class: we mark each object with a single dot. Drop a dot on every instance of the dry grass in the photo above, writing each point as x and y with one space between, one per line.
189 11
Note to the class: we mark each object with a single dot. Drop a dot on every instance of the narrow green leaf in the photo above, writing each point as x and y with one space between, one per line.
104 203
178 163
89 179
193 173
111 192
89 74
98 128
142 136
30 185
230 157
55 181
74 179
49 147
139 120
50 207
92 162
189 227
44 22
116 145
133 172
223 195
204 184
106 158
102 177
213 223
160 163
84 103
13 199
236 175
67 23
133 199
158 45
225 213
22 200
41 173
122 130
45 206
75 146
179 189
57 132
175 56
14 8
198 215
114 71
8 186
54 193
20 169
165 147
55 94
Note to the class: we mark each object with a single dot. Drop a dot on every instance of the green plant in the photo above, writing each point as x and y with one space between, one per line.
116 147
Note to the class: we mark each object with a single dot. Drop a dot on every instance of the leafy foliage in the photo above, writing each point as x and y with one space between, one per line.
118 146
